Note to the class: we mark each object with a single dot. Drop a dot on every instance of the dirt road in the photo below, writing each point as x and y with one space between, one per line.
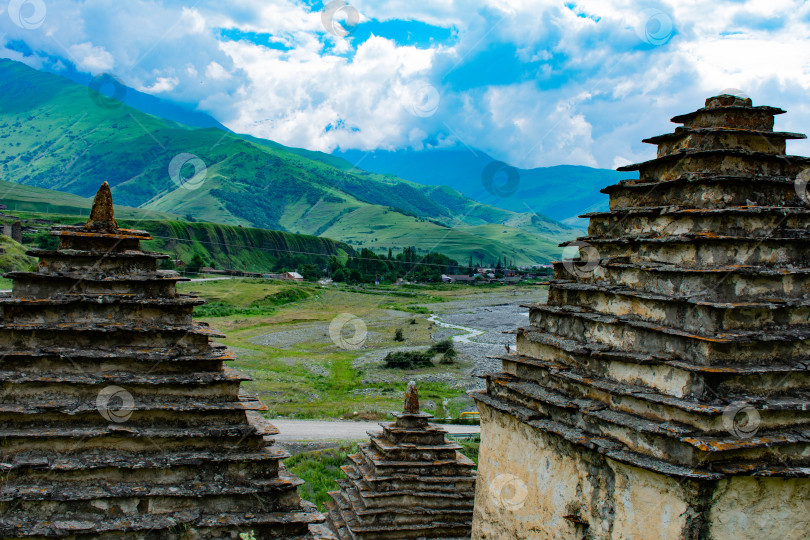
320 430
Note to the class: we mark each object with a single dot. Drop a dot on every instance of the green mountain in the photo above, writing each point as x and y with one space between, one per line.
562 192
222 246
57 134
19 198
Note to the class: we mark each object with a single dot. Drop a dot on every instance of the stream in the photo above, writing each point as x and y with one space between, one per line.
463 338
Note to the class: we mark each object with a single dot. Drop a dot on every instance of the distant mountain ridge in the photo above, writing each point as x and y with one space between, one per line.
58 135
561 192
148 103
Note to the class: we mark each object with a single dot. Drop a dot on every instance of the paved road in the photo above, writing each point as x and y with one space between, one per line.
210 279
320 430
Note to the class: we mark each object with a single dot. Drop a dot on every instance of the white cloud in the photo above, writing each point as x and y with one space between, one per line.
162 84
320 101
216 71
620 161
584 88
91 58
193 20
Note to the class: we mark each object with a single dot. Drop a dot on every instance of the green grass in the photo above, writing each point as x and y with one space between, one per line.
408 308
263 306
320 471
470 448
14 258
310 377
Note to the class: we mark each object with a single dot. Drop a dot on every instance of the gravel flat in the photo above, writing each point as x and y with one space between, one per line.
491 315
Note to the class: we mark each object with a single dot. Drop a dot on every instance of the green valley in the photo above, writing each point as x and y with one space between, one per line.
54 134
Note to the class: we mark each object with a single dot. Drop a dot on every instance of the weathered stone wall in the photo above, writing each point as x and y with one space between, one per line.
543 476
530 480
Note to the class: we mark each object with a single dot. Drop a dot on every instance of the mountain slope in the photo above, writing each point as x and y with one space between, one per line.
225 246
463 209
54 134
560 192
22 198
152 105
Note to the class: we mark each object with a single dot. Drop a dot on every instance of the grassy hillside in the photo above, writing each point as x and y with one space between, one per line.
445 202
242 248
222 246
21 198
13 258
377 226
53 134
561 192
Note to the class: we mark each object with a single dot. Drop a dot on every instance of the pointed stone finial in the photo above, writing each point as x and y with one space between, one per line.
101 216
412 399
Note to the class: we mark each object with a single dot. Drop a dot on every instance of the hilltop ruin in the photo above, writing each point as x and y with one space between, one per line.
662 391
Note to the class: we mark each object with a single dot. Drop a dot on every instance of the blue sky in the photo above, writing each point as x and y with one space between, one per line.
531 82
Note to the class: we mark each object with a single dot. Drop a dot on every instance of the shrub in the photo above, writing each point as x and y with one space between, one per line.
398 336
409 359
443 347
449 357
421 359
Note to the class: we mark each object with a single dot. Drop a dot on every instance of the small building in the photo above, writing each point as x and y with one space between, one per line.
289 276
458 278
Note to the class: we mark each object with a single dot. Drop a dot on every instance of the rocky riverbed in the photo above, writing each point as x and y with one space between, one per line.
479 324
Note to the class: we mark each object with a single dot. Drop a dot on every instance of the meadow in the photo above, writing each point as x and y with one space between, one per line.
280 332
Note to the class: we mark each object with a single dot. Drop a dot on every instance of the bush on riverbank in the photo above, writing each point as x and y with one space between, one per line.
421 359
408 360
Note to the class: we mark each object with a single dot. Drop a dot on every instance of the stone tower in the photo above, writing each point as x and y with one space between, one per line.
408 482
118 418
662 391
